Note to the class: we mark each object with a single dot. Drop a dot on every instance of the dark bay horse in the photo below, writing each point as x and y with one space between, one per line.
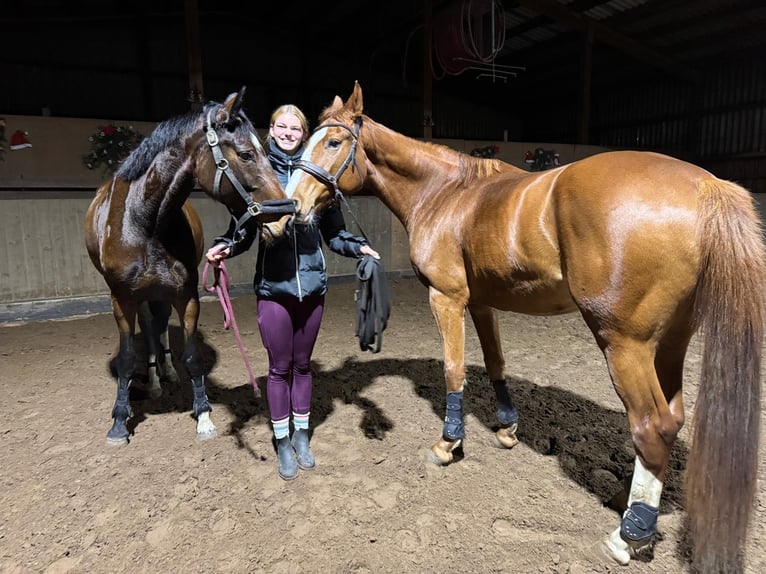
145 238
647 248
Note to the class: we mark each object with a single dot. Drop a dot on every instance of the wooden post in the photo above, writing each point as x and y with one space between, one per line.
587 73
194 54
428 114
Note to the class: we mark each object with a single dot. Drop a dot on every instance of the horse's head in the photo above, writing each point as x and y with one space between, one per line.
334 160
233 167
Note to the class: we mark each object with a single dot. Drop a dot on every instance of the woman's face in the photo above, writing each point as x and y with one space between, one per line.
287 133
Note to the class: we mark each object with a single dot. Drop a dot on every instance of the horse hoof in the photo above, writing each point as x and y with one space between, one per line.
116 441
506 437
441 453
207 435
616 548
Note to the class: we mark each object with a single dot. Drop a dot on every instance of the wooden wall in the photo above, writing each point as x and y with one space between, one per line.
45 191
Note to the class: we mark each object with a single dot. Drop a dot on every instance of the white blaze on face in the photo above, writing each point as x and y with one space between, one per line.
292 183
256 142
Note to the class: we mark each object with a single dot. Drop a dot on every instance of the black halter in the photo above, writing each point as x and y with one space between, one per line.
222 165
324 176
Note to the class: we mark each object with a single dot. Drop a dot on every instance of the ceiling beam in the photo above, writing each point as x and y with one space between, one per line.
572 19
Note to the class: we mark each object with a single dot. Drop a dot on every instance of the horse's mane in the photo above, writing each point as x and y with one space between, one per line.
473 168
171 134
470 168
168 133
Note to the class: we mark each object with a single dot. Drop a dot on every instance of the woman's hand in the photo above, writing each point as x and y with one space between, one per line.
217 253
367 250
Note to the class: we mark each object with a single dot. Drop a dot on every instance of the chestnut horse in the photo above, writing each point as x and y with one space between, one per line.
145 238
648 249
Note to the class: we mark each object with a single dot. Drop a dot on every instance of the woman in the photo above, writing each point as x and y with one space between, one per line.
290 283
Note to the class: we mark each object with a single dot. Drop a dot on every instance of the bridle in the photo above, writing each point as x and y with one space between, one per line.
324 176
222 168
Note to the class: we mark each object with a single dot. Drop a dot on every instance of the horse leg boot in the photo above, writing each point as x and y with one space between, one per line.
507 416
453 430
639 522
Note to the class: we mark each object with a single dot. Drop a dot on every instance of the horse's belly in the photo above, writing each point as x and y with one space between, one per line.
530 298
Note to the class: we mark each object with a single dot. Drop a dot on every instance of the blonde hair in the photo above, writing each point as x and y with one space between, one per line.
294 110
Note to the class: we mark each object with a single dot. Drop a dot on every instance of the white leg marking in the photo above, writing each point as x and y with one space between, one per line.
205 427
644 488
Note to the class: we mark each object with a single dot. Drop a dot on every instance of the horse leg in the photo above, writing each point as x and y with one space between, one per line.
160 312
125 316
192 359
485 321
450 320
654 423
152 342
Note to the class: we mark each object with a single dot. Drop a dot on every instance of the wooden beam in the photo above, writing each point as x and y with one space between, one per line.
587 73
194 54
428 113
603 33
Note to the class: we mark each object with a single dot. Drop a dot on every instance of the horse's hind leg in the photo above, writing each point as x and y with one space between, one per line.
151 336
192 359
649 385
485 321
125 315
153 317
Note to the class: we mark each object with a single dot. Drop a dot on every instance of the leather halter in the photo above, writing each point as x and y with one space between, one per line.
222 168
324 176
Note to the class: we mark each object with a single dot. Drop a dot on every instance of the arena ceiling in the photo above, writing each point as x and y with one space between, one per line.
532 45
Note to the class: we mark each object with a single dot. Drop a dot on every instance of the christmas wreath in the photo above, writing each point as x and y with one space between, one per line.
110 145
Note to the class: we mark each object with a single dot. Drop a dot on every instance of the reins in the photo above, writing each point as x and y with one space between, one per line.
220 286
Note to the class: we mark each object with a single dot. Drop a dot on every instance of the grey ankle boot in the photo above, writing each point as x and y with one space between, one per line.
288 465
300 442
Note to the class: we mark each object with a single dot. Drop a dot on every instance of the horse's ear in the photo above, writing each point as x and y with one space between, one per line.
355 101
237 105
231 107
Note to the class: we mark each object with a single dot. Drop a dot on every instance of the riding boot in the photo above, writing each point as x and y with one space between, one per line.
300 443
288 465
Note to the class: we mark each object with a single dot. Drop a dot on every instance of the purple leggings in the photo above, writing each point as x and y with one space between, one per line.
289 329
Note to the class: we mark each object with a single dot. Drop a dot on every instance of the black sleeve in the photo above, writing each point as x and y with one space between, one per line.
333 229
241 243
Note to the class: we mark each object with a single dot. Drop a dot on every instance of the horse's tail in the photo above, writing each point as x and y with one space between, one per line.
730 307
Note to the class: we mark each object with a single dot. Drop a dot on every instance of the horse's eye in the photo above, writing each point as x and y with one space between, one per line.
246 155
333 143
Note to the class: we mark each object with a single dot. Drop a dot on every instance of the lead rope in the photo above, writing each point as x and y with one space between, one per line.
220 286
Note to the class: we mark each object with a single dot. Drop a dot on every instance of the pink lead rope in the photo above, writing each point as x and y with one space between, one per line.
221 288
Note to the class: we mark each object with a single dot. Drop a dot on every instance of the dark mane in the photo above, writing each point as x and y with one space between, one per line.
169 133
172 133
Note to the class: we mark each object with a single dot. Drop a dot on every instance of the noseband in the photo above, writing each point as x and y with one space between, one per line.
222 168
324 176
